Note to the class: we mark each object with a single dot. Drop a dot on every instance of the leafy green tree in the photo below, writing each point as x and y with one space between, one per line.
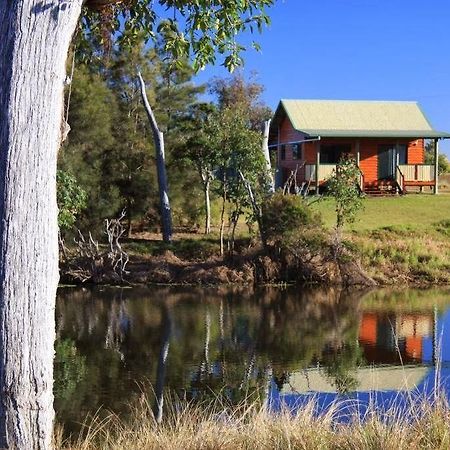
443 163
116 162
200 153
236 121
240 163
343 186
71 199
93 116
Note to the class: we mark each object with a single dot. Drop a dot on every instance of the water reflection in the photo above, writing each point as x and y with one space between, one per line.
281 345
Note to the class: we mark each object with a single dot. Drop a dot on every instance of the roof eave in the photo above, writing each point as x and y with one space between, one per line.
414 134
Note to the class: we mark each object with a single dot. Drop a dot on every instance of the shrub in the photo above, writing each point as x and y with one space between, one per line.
285 215
343 186
71 199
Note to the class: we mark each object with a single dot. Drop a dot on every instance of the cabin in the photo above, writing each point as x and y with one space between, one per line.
387 139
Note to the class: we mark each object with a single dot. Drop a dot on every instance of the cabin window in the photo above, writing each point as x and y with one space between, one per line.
297 151
331 154
283 152
402 154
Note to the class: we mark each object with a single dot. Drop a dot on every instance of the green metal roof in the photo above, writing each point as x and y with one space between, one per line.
348 118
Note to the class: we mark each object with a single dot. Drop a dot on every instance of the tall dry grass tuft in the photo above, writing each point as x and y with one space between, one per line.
421 424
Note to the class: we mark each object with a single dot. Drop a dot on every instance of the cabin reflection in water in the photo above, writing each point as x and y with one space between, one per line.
385 337
394 356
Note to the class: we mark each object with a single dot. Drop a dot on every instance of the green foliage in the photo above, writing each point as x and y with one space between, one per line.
110 147
443 162
92 117
284 215
343 186
71 199
238 150
196 28
70 369
224 140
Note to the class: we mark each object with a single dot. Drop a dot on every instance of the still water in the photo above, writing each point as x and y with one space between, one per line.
113 345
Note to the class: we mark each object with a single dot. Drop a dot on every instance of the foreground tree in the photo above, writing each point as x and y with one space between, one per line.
35 38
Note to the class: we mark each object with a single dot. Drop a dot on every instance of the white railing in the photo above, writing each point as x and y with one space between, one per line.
417 172
425 172
325 171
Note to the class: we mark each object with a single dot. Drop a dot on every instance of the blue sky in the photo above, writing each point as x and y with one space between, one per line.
356 49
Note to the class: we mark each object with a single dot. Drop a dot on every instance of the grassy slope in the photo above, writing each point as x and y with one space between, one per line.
401 239
412 211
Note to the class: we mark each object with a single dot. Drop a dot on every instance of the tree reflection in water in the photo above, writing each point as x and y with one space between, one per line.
230 343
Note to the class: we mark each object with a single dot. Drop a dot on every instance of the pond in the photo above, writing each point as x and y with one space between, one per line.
283 344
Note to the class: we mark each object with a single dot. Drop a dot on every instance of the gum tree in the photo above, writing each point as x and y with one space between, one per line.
35 36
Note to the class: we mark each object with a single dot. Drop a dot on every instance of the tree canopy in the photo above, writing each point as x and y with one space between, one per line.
201 29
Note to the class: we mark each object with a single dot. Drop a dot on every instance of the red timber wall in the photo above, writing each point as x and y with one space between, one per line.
369 155
288 134
368 151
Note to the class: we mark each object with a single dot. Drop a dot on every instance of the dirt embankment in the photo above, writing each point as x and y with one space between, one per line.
252 267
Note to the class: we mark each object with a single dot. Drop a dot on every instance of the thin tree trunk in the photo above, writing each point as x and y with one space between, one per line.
222 220
232 235
265 148
206 187
34 42
158 137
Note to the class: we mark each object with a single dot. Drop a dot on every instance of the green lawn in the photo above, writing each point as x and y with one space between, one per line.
412 211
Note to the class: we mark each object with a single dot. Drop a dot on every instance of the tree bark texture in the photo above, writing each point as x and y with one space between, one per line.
34 42
265 148
158 137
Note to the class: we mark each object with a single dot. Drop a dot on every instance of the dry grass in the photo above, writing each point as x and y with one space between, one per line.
422 425
398 254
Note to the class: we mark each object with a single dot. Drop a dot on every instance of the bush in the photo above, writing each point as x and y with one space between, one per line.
71 199
284 216
343 186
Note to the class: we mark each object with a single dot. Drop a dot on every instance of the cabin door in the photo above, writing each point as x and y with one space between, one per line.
386 162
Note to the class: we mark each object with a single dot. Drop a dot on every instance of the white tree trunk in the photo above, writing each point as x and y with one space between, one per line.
34 41
265 148
158 137
206 186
